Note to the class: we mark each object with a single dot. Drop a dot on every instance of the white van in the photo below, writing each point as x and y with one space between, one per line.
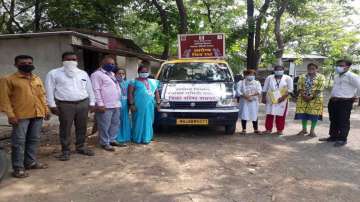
197 92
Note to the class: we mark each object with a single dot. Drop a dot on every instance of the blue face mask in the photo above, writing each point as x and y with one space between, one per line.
250 78
339 69
279 72
109 67
144 75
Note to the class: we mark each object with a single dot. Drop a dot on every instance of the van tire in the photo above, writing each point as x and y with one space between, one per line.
230 129
4 164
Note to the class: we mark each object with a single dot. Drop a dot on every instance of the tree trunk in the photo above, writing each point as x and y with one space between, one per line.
277 30
183 28
165 28
250 51
37 18
11 12
208 14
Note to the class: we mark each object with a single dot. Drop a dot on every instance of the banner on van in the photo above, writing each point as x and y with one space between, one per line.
201 45
197 93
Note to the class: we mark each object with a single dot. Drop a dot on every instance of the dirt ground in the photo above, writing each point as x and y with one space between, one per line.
201 164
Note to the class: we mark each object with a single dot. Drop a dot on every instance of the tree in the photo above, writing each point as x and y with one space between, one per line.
254 32
183 27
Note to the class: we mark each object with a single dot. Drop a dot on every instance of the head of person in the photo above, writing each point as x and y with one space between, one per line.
343 66
69 60
120 74
108 63
279 70
312 68
24 63
249 75
143 70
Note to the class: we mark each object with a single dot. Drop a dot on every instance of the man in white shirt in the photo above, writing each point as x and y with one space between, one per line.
70 96
344 92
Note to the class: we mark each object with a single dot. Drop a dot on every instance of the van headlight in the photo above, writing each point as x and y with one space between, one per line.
164 104
229 102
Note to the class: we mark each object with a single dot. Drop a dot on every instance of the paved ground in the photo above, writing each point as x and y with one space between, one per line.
201 164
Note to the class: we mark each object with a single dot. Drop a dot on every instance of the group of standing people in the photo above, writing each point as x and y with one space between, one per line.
309 100
124 109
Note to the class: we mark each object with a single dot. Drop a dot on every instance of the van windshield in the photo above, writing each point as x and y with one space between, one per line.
196 71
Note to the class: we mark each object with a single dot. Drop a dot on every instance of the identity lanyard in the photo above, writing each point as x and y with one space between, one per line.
110 76
278 81
147 85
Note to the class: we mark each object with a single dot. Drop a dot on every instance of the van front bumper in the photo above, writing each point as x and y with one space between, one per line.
215 117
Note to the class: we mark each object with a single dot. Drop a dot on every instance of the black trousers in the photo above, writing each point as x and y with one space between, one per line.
255 124
339 113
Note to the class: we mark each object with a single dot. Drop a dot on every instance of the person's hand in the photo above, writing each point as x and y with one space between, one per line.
263 99
13 121
282 98
92 109
307 98
132 108
158 107
55 111
100 109
47 117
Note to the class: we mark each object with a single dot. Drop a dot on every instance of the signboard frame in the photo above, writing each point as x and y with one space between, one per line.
207 34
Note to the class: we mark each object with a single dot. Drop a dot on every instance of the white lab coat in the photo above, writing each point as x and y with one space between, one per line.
248 109
271 84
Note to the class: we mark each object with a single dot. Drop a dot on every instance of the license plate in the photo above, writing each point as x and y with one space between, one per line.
192 121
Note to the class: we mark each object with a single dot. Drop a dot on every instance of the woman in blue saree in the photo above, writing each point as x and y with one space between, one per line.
142 95
124 135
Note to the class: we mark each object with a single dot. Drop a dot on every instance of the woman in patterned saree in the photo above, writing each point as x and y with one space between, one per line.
309 105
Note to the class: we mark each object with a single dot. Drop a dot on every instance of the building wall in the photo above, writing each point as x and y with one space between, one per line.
131 66
46 51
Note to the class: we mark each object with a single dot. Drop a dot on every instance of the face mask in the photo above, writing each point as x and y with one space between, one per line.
70 64
250 78
26 68
109 67
339 69
144 75
119 78
279 72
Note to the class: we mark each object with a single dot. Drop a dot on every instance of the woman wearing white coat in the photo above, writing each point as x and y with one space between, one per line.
249 91
277 88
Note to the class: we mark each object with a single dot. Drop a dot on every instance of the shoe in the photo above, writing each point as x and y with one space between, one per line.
243 132
340 143
37 166
108 148
20 173
65 156
328 139
86 151
117 144
312 134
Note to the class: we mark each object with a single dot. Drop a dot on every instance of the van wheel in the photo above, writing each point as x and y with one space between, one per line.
230 129
4 164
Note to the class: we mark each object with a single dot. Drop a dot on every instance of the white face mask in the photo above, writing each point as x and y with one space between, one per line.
70 68
144 75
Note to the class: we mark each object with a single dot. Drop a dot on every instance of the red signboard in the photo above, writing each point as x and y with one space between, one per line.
201 45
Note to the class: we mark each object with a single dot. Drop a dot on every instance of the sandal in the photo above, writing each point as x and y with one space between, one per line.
36 166
302 132
312 134
243 132
257 132
267 132
20 173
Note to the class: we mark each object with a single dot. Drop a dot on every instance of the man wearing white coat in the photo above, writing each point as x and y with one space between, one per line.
249 91
276 90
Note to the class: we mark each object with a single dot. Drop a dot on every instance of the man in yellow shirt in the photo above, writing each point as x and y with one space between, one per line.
22 99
